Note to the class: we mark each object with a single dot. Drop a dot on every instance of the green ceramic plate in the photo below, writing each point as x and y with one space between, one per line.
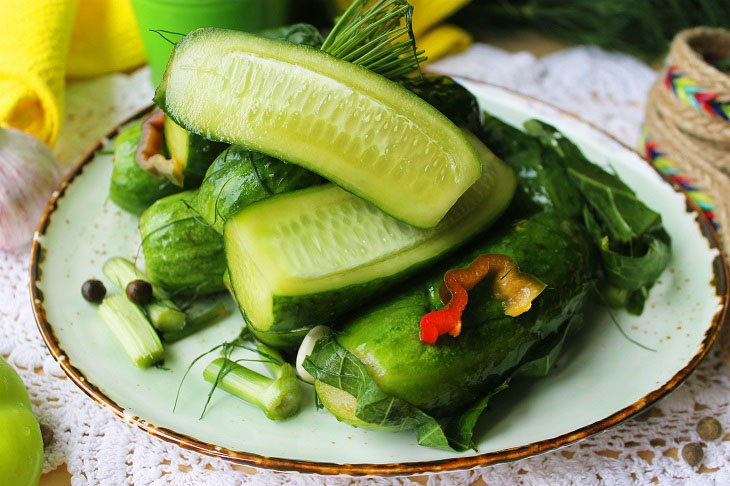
602 380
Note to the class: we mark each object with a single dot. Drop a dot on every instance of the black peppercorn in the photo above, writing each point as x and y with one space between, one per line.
139 292
93 291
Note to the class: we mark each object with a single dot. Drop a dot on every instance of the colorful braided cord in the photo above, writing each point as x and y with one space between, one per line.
670 169
695 96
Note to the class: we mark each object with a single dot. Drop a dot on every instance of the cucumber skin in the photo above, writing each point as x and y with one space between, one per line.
377 83
185 257
240 177
131 188
444 378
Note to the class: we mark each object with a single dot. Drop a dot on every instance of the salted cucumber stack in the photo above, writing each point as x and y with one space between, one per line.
409 185
358 129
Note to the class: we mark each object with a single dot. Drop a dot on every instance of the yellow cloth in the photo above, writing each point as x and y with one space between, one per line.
438 40
38 50
443 40
104 39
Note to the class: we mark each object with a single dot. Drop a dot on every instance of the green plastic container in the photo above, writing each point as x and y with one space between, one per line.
184 16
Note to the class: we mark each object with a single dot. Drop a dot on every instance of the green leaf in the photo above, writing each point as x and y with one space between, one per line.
634 247
461 427
460 430
543 185
332 364
302 34
639 268
377 36
544 360
619 211
447 96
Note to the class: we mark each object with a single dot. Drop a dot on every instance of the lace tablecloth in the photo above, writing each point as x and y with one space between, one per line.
606 89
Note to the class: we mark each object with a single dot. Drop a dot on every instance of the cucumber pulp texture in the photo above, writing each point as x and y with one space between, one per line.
176 139
192 152
354 127
303 258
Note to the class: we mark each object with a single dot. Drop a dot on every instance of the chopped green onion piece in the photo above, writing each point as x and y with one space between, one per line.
132 329
162 312
279 397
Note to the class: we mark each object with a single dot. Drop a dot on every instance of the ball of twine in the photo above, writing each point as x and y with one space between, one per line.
697 141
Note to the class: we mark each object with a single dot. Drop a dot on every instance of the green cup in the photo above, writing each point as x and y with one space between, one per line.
184 16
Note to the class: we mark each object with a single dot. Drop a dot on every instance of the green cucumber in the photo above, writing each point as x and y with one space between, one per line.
352 126
239 177
444 378
304 258
182 253
132 188
191 153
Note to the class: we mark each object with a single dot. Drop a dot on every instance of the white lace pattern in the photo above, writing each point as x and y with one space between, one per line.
606 89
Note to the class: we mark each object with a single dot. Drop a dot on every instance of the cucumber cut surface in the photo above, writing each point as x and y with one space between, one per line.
305 257
191 153
354 127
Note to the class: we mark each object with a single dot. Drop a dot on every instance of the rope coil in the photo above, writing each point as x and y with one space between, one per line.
688 117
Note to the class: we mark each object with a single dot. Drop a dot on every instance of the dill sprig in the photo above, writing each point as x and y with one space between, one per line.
377 35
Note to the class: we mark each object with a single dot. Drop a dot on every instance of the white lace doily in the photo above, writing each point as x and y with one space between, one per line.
606 89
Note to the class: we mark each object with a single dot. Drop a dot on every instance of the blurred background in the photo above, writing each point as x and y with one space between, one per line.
46 42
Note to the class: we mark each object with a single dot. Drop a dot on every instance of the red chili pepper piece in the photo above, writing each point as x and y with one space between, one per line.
516 289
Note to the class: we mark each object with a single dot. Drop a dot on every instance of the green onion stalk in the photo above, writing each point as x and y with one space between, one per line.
279 396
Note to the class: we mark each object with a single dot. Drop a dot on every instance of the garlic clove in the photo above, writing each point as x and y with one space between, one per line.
28 176
305 349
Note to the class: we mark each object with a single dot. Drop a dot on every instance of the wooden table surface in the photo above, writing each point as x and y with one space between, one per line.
522 40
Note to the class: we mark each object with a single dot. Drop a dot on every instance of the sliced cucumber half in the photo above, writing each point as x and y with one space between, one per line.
191 154
356 128
304 258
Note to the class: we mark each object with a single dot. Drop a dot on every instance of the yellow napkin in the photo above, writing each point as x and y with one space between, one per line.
44 40
104 39
438 40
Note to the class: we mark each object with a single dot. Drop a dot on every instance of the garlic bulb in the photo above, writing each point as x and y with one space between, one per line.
28 175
